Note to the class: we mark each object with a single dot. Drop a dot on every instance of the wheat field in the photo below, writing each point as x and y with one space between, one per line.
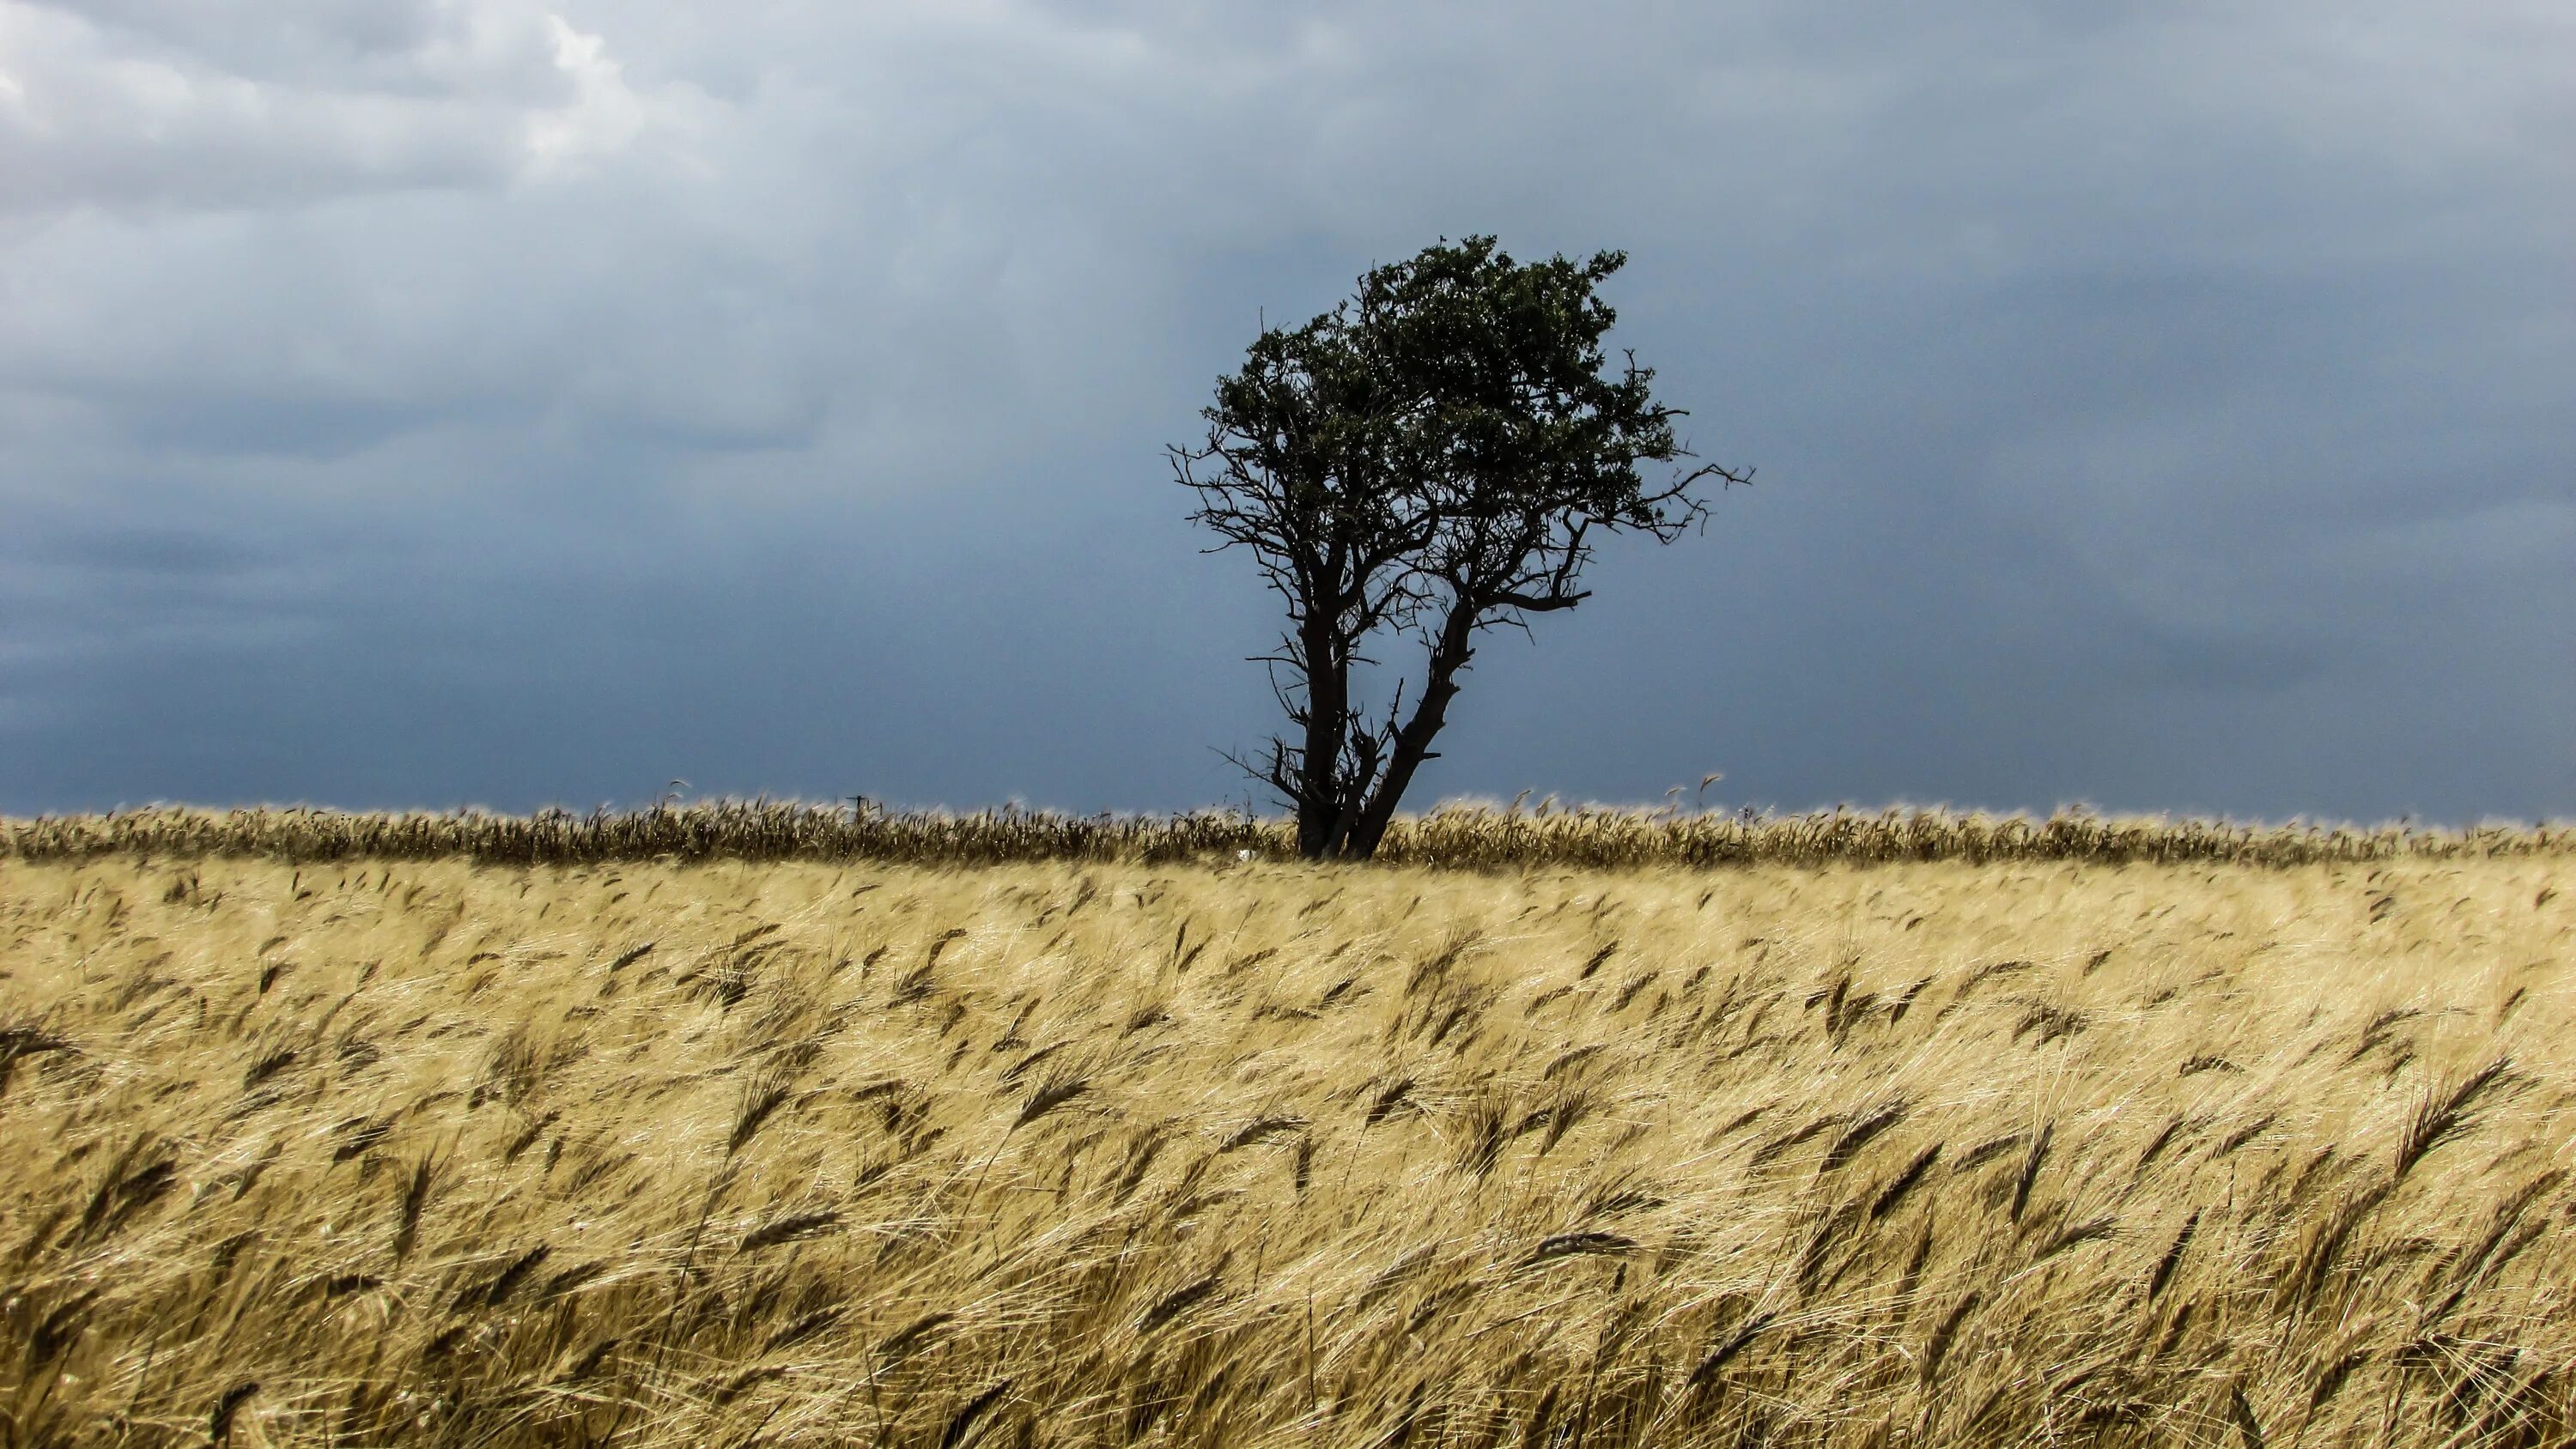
658 1153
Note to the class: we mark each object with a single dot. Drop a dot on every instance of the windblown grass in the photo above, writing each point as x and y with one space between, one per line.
423 1151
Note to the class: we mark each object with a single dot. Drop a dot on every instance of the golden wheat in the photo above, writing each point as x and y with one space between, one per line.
347 1148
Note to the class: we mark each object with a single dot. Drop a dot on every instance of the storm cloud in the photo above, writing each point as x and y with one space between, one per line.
515 402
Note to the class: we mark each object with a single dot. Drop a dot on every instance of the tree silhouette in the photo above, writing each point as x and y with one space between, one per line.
1434 457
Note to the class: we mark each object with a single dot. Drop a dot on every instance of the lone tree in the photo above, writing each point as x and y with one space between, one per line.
1434 457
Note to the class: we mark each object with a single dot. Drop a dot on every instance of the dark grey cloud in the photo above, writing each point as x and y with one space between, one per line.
515 402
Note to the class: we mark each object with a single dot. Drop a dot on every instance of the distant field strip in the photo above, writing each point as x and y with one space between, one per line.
1468 837
380 1151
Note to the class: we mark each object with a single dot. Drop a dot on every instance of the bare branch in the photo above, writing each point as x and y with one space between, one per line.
1539 603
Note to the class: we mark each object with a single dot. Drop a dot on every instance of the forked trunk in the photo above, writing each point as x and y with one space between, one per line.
1413 743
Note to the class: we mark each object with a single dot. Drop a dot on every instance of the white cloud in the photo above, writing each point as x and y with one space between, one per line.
147 109
605 115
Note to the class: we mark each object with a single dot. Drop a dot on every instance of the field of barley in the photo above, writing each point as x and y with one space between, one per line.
367 1150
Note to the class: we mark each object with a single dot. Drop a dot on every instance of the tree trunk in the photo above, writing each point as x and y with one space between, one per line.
1449 654
1320 801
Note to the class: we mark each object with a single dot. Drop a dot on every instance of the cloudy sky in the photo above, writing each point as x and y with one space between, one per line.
422 402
